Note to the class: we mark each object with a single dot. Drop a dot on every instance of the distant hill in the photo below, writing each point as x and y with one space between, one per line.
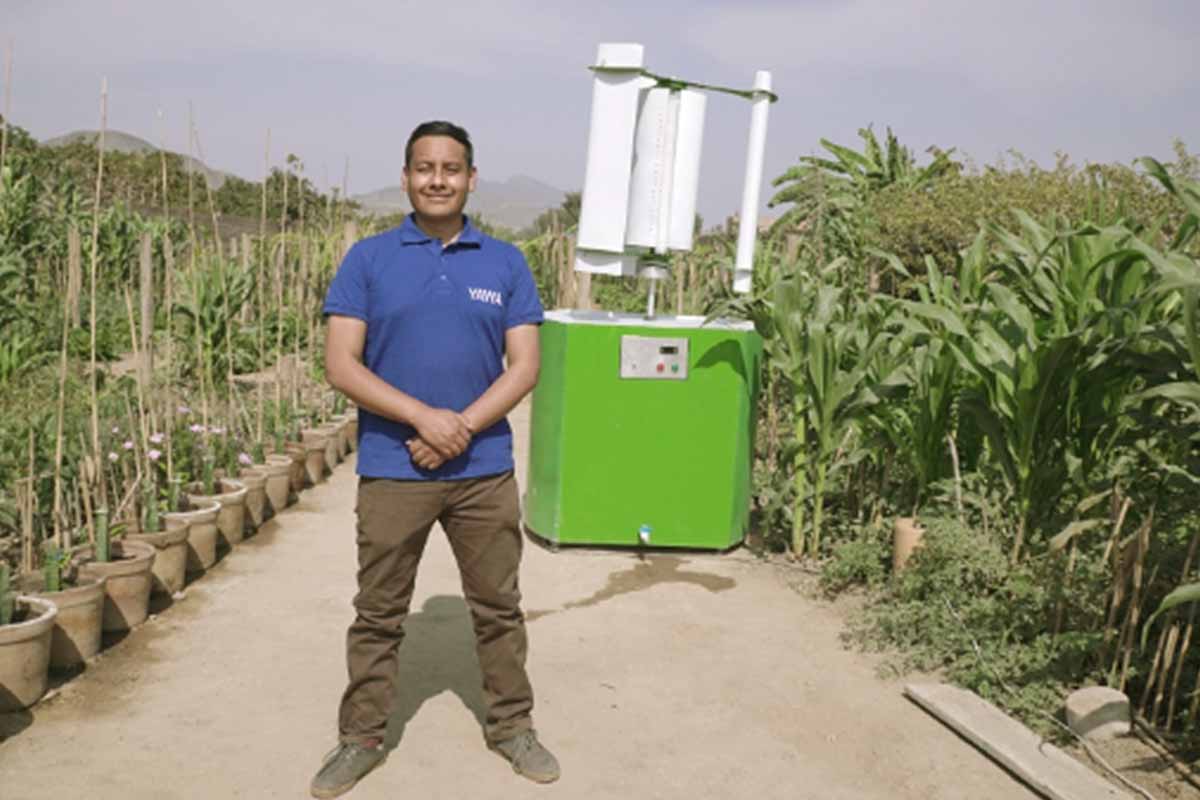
120 142
514 203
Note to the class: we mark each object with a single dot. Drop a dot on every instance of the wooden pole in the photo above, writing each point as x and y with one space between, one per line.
62 400
169 302
92 311
146 359
74 275
7 105
260 290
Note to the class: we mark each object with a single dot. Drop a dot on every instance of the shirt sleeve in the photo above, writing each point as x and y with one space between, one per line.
347 295
524 305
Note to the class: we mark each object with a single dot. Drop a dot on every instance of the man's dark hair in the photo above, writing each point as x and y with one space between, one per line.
439 127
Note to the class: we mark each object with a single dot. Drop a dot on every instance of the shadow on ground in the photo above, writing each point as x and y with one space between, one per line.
438 655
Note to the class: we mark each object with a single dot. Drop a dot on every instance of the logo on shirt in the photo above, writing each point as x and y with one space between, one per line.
490 296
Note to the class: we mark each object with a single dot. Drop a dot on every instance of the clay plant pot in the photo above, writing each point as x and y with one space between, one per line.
170 564
25 653
906 537
342 426
255 480
333 445
231 496
352 430
201 521
299 473
315 442
77 628
130 579
278 482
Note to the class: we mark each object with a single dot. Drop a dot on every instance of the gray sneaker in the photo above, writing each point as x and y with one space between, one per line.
528 757
344 766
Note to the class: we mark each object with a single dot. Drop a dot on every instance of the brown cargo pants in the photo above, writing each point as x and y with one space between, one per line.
482 522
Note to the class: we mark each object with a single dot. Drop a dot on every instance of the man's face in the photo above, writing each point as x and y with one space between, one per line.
437 178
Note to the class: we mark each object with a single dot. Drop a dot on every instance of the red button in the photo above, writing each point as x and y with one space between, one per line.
660 367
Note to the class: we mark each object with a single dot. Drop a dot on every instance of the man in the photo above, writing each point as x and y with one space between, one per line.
421 319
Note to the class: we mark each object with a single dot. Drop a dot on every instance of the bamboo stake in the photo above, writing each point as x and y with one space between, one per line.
343 200
141 387
92 312
304 254
8 53
61 409
74 275
191 201
1168 658
1193 546
146 359
680 274
168 299
279 267
27 515
162 160
260 290
1135 597
1118 580
212 208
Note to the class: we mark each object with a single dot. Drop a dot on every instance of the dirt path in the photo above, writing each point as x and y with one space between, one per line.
673 677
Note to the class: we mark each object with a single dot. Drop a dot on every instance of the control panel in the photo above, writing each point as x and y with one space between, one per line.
654 357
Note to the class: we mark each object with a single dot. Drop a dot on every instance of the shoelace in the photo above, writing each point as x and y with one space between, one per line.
341 752
523 745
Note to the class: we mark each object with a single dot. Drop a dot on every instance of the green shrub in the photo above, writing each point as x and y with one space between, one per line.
960 608
860 561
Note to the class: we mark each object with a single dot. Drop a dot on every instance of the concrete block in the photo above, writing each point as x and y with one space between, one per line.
1098 713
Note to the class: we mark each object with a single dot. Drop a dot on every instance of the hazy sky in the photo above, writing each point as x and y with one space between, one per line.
1103 80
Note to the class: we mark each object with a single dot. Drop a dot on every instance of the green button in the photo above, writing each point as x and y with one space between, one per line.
674 368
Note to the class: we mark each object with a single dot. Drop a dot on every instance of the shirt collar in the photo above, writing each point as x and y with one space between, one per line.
411 234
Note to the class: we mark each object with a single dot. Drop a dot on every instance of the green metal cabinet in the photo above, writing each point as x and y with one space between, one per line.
642 431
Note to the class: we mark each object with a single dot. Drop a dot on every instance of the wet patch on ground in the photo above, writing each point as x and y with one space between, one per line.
647 573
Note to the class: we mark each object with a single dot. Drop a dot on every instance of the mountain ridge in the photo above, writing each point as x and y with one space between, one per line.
122 142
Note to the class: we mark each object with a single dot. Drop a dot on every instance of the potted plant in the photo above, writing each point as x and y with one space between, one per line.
254 476
80 601
128 566
26 629
153 526
229 493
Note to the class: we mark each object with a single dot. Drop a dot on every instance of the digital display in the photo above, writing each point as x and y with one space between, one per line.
668 350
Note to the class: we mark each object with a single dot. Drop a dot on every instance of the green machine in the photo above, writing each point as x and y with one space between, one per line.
642 431
643 425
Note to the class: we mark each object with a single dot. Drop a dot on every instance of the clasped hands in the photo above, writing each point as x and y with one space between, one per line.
442 434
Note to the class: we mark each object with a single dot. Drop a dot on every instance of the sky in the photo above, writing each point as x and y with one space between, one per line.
346 81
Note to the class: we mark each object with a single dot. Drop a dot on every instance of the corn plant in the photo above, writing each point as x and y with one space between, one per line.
829 340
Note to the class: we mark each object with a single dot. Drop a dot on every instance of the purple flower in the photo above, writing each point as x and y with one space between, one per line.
244 459
154 455
156 438
196 428
128 444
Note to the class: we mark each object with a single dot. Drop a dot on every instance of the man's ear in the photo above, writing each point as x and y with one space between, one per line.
474 179
404 179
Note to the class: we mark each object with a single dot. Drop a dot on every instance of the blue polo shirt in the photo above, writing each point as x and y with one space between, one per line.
436 319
